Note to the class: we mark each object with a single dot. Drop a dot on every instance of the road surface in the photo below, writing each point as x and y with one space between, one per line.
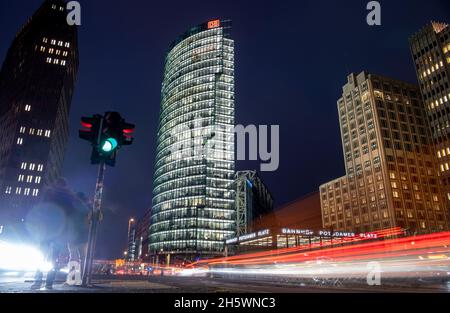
175 284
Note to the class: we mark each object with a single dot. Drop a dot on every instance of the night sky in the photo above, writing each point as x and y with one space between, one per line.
292 59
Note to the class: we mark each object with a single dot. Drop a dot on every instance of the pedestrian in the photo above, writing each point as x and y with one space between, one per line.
59 222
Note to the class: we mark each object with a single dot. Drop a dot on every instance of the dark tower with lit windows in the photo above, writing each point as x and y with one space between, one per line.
36 86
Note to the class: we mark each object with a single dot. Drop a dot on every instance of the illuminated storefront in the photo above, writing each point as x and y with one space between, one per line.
281 238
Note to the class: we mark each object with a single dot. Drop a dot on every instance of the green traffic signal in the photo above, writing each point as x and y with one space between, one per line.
109 145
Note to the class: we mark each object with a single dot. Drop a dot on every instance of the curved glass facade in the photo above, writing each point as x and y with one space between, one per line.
193 201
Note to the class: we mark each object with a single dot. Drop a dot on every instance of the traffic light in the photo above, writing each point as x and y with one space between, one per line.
109 145
107 135
91 126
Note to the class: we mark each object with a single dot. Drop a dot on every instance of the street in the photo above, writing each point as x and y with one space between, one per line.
175 284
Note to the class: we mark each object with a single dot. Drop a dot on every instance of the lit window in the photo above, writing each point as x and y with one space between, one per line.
435 198
67 45
8 190
65 53
21 177
442 168
30 179
51 50
61 8
35 192
56 61
394 185
44 40
58 52
22 129
439 154
27 108
26 192
47 133
32 131
396 195
53 42
32 166
60 43
20 141
40 168
42 49
23 166
49 60
37 180
39 132
63 62
392 175
53 6
18 190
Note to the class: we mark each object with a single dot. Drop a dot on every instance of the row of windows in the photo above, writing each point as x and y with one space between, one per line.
56 61
26 191
186 245
37 179
32 166
430 70
188 234
159 224
56 52
37 132
444 167
59 43
443 153
436 103
417 196
446 48
55 7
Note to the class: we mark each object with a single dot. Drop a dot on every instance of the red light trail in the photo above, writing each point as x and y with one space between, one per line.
416 256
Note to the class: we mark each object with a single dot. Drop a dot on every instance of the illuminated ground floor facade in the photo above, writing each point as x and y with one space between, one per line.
284 238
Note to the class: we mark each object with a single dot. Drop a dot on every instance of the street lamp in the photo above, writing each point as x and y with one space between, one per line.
131 221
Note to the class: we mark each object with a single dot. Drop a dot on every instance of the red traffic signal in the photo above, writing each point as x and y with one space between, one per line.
91 126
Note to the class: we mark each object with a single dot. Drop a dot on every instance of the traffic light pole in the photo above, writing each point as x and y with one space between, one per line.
93 224
106 134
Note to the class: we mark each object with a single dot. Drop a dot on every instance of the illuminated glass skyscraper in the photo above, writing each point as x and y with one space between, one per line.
193 207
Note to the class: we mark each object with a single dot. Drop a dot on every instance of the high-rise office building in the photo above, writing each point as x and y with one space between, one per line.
430 49
142 236
253 201
131 245
193 199
36 86
391 172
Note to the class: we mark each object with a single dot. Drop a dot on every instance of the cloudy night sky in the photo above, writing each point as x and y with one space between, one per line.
292 59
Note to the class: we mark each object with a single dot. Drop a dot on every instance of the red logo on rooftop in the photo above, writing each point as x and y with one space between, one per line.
213 24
